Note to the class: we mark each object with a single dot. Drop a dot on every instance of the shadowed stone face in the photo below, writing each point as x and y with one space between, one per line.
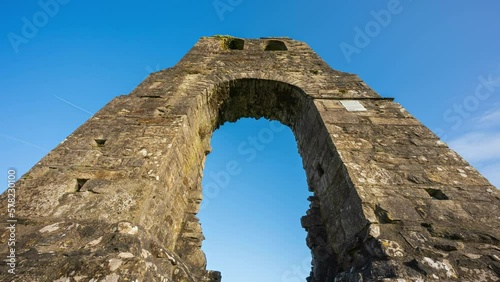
118 199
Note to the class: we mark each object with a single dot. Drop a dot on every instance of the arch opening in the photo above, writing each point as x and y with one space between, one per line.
335 223
288 104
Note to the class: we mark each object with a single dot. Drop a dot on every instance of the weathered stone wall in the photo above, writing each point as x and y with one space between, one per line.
118 199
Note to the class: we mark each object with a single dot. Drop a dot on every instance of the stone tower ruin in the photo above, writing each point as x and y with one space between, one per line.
117 200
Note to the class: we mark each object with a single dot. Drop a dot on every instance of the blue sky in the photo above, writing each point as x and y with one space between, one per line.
62 61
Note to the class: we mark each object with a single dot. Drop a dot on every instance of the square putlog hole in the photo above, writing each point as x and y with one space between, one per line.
80 182
100 142
437 194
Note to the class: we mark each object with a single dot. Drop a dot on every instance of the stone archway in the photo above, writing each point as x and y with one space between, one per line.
118 198
325 173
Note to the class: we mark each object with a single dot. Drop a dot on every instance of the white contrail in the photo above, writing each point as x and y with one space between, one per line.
71 104
22 141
